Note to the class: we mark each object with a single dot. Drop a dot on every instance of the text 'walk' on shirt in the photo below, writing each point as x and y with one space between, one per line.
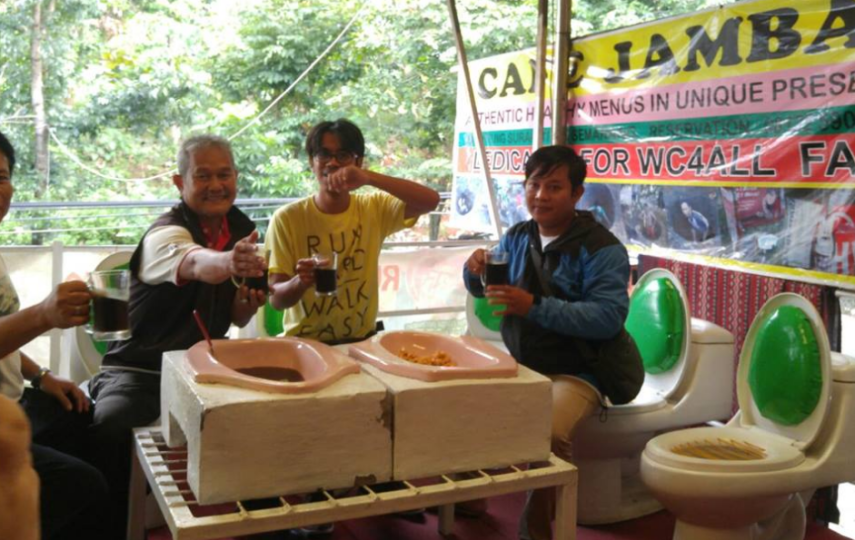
300 229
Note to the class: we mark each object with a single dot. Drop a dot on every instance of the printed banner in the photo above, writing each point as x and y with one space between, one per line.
422 278
728 133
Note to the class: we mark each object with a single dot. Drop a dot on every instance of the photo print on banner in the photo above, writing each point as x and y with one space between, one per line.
727 133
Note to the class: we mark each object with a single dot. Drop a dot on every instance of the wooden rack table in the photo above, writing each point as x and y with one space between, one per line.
164 470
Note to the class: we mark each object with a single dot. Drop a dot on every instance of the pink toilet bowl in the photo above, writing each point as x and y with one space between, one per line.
279 365
473 358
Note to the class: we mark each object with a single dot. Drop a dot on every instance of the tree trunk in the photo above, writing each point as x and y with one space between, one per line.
38 99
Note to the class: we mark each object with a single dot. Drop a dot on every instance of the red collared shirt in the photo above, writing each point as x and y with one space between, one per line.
222 238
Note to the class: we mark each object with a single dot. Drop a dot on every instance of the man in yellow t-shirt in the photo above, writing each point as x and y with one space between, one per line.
353 225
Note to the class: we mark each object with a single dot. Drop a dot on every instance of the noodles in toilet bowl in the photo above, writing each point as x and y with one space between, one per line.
438 358
724 449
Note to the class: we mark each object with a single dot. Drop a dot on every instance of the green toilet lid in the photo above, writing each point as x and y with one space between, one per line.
484 312
657 321
784 377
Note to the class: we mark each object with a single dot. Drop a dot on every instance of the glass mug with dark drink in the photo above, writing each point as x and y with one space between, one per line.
326 264
111 290
255 283
495 268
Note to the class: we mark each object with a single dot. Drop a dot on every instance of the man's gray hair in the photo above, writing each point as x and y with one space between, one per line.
191 144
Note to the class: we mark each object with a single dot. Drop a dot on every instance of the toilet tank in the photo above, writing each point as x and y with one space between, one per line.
709 333
708 343
711 375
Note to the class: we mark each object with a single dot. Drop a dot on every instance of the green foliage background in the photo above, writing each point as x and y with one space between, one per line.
126 80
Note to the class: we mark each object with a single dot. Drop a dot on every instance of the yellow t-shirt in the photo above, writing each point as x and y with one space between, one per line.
299 229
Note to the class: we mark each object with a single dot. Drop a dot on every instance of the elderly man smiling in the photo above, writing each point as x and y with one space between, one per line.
184 262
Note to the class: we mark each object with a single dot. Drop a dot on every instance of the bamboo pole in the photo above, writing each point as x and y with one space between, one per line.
473 108
560 63
540 72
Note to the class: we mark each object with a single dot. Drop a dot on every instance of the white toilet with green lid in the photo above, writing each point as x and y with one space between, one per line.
688 381
793 433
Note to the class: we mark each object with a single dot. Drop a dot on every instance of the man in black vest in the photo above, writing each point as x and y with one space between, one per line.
186 261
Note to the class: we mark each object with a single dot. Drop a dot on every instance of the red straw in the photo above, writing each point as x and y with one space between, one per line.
204 330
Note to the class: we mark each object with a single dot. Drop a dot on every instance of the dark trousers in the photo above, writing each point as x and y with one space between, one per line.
73 497
124 400
53 426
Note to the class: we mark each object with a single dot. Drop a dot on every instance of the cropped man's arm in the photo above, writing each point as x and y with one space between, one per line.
206 265
286 290
64 307
19 495
21 327
211 266
68 394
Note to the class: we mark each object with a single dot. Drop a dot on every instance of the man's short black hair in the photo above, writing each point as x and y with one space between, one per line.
349 136
548 158
7 150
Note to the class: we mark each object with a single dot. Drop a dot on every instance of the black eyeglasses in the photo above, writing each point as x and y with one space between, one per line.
342 156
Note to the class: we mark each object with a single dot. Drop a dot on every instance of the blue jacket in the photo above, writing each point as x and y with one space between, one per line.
588 271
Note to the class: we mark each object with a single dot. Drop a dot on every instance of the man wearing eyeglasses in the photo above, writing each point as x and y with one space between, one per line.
336 219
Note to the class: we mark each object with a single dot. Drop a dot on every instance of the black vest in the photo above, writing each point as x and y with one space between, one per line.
161 316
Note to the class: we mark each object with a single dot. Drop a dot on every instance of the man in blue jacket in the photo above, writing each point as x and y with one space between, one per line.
568 280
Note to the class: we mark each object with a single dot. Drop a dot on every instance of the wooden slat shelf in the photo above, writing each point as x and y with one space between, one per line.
164 469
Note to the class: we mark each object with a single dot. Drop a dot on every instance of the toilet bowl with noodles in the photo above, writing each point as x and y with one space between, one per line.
720 482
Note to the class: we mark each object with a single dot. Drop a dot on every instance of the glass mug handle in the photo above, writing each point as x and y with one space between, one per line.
88 327
109 317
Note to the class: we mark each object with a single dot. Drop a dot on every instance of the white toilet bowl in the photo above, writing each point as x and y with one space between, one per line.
688 381
794 433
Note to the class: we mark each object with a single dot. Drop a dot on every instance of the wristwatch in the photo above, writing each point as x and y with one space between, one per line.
36 382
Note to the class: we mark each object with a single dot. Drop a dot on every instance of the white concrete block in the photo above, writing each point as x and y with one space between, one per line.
467 424
244 444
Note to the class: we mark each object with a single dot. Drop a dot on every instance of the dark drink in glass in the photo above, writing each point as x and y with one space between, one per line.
326 265
495 268
325 280
496 274
110 291
259 283
110 314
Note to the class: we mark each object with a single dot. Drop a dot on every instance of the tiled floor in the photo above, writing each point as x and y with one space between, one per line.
501 524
